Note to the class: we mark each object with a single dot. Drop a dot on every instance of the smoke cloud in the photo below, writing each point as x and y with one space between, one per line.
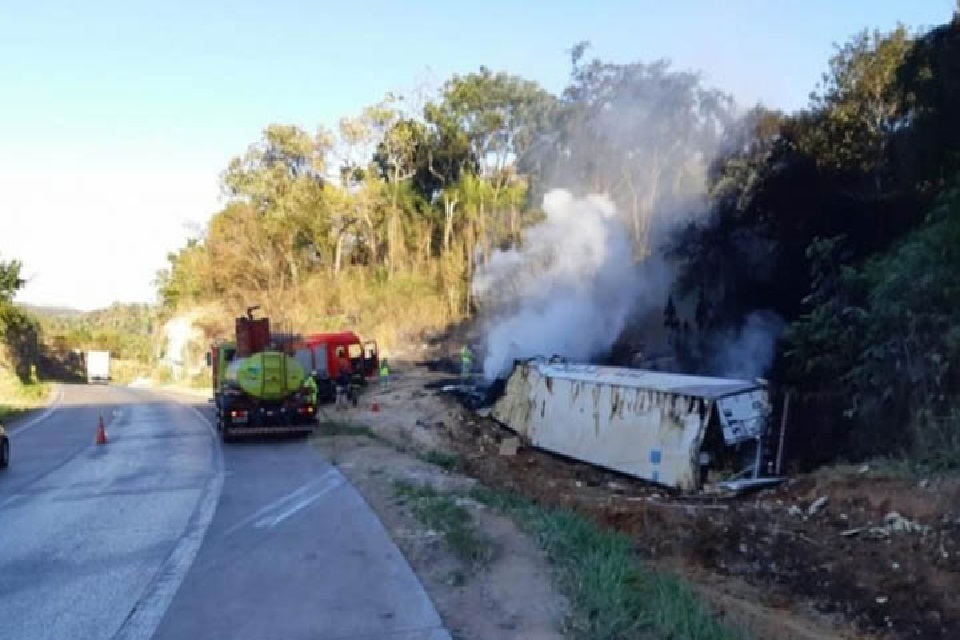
748 352
645 137
567 290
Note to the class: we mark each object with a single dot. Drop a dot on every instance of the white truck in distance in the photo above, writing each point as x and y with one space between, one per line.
98 366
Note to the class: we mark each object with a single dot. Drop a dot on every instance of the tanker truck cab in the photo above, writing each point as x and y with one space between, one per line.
218 359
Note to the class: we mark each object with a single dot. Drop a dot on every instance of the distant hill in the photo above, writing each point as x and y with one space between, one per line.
126 330
51 312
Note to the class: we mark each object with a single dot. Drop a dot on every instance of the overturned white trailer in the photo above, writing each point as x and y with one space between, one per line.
672 429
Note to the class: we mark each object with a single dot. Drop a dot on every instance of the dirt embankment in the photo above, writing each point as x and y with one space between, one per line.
879 558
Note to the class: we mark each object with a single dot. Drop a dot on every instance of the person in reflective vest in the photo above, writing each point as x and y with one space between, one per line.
384 374
466 362
310 384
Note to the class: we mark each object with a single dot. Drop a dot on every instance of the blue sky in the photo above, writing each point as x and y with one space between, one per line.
117 117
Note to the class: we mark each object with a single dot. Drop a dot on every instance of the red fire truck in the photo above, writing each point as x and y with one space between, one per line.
322 352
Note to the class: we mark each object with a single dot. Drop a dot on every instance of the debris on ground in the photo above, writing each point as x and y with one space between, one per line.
509 446
893 521
817 505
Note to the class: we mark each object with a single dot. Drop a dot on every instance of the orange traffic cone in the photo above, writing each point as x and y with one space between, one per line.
101 432
375 407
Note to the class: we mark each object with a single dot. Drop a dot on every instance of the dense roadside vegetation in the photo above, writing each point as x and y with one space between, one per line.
127 331
20 349
40 344
843 219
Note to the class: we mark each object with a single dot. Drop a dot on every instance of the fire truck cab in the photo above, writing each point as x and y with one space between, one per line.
322 352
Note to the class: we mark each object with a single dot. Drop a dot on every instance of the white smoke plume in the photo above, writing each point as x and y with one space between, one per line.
567 290
748 352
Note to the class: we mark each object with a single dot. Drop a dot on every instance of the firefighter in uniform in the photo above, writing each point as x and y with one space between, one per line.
384 374
343 379
466 362
310 384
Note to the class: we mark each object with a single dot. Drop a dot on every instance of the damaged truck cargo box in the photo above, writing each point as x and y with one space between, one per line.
676 430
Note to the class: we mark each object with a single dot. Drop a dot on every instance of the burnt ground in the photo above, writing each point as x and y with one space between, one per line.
881 559
887 582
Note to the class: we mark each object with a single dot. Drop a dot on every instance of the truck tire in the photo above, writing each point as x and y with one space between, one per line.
226 434
4 453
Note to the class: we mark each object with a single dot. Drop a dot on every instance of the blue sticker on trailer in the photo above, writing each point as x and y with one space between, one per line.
655 456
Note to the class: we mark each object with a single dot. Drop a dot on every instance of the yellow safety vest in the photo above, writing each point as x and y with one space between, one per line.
311 386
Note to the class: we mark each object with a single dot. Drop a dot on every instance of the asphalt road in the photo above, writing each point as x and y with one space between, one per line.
164 533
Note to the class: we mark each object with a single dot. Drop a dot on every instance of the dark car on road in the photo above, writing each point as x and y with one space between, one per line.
4 448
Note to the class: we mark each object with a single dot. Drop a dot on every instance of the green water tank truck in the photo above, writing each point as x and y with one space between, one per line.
258 386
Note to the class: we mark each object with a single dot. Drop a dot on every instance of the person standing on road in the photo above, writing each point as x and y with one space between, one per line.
310 384
343 379
466 363
384 374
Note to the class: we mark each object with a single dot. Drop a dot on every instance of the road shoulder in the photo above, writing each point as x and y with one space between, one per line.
18 418
487 579
294 541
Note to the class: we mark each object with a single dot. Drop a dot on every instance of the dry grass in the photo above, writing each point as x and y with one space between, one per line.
393 311
126 371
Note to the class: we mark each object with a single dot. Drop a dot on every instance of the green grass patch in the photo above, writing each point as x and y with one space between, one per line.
8 412
882 468
441 512
442 459
612 594
18 398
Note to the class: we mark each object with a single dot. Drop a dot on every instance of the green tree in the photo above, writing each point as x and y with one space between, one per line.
502 118
861 103
397 139
184 280
19 331
889 333
283 178
784 181
11 280
928 80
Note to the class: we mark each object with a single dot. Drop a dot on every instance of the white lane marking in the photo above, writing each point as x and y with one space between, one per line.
40 418
152 606
276 504
15 496
281 502
301 504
